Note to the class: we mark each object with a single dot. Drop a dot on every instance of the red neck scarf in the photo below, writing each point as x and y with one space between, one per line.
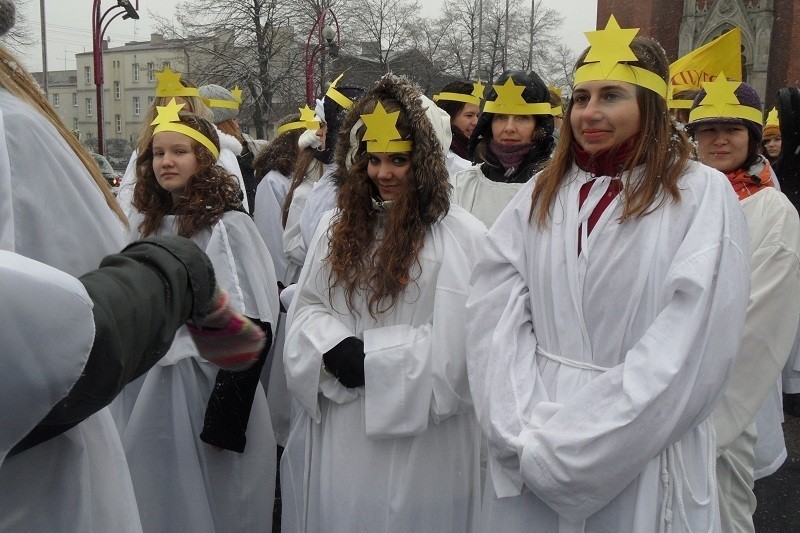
606 162
745 184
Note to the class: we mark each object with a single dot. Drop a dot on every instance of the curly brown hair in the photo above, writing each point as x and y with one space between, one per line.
383 269
210 192
281 153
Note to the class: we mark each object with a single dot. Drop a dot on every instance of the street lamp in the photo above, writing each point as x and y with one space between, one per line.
325 39
99 27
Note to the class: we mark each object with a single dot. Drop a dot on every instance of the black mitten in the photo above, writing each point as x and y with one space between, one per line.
346 362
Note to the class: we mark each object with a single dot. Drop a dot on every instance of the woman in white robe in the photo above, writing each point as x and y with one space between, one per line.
462 101
209 429
605 316
386 439
748 419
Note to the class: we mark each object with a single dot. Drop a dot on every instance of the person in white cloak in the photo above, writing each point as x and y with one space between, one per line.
462 101
211 428
386 439
172 85
513 139
605 316
748 419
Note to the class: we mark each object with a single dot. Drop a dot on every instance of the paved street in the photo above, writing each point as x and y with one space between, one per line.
779 494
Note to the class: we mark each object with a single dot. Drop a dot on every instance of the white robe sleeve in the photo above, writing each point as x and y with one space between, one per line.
267 215
772 315
126 186
227 160
579 455
321 199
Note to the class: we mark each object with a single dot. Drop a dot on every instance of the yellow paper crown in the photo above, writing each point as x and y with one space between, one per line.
227 104
720 102
474 97
509 101
772 118
556 110
382 135
308 120
169 120
609 51
672 103
169 84
334 94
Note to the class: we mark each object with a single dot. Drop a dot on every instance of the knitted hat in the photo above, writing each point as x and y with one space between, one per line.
7 16
535 92
221 101
722 108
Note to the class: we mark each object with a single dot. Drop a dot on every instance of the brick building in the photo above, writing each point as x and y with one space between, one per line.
770 32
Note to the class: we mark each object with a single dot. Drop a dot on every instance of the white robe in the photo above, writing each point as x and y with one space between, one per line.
229 149
647 321
182 483
401 453
53 212
455 163
479 195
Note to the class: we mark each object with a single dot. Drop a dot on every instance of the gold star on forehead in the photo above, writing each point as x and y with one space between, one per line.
168 80
610 45
720 92
168 113
477 89
509 93
382 131
237 94
772 118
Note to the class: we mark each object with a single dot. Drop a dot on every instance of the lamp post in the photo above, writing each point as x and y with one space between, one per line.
325 39
99 27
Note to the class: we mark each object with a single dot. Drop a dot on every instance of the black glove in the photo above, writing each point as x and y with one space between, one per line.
346 362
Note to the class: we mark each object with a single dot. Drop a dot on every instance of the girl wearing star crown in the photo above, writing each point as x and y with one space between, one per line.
605 315
385 439
513 139
749 416
462 101
210 427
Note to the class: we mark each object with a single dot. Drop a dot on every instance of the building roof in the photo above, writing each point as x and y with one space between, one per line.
57 78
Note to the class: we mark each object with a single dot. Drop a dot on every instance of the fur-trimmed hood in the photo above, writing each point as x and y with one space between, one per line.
430 135
228 142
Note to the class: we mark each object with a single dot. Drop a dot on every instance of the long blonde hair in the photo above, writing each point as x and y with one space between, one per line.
17 81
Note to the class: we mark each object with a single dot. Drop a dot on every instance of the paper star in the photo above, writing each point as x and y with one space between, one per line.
168 113
307 114
772 117
555 90
237 94
611 45
168 81
381 128
477 89
334 82
719 93
509 94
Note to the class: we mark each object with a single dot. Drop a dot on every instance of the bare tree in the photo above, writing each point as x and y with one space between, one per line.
20 36
382 22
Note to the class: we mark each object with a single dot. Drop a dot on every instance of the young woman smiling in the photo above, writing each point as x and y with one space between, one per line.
603 315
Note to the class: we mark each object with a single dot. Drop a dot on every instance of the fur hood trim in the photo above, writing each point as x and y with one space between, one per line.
228 142
430 135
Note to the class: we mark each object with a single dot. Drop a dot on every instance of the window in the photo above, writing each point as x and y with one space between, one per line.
88 107
87 75
118 123
75 124
137 106
74 99
136 73
116 90
56 99
151 67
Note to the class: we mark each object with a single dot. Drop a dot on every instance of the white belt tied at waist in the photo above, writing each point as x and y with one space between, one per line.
673 469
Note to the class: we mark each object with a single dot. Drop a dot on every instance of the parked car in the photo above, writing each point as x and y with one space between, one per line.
113 178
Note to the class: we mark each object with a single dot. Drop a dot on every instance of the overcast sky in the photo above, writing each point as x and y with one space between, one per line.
69 29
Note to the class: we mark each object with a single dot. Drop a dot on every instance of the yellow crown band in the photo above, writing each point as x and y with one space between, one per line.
339 98
622 72
227 104
540 108
680 104
189 132
556 111
184 91
377 147
458 97
300 124
728 111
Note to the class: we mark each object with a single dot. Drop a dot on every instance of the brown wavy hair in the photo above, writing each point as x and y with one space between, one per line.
306 165
209 194
281 153
660 147
359 264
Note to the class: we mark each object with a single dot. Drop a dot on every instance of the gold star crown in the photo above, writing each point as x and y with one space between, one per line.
720 101
382 135
334 94
772 118
677 104
609 52
509 101
474 97
168 119
308 120
557 110
237 94
169 84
